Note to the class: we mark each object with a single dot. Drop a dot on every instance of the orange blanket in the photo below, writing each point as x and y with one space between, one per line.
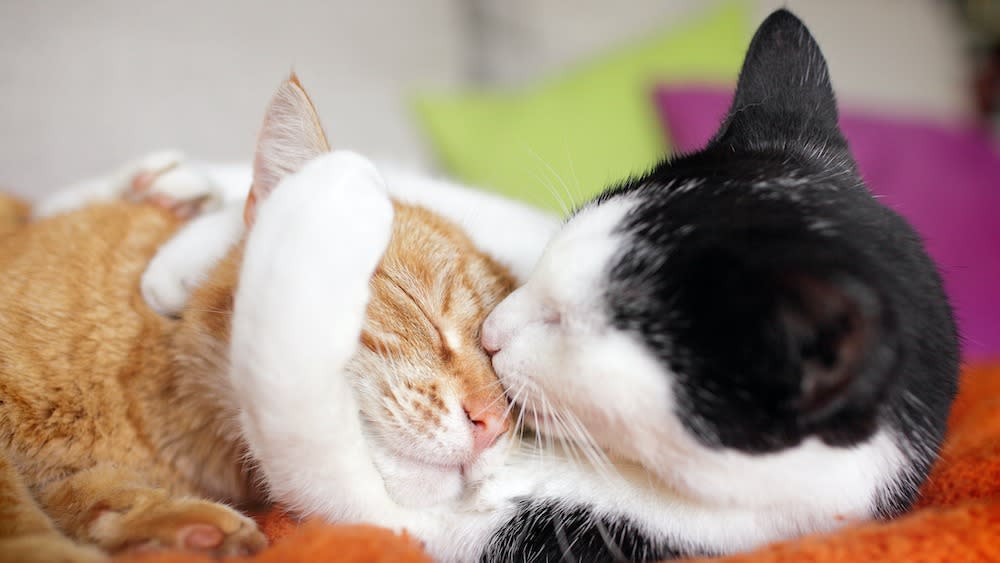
957 518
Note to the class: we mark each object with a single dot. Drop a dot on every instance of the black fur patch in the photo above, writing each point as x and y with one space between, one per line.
547 531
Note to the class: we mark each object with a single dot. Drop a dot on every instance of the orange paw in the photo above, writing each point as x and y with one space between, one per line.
185 525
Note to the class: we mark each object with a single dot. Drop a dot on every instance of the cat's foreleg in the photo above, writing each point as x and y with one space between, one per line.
166 177
298 314
184 261
26 533
110 507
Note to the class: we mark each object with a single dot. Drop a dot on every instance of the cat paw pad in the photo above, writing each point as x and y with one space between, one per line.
185 525
166 180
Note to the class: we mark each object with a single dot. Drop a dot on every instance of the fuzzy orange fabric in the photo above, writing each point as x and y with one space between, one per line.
957 518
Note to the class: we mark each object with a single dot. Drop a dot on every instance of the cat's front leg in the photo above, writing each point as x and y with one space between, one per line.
167 178
298 314
26 533
184 260
114 509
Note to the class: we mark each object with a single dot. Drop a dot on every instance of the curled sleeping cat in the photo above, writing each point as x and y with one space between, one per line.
738 347
119 428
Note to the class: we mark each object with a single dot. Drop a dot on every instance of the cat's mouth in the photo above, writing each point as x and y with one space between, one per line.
408 458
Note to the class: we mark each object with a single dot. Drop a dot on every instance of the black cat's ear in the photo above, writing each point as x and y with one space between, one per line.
784 90
833 333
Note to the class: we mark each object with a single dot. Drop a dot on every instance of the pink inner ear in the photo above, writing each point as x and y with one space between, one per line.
250 208
290 136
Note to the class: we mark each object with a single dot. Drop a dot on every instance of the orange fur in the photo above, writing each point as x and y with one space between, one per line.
116 422
109 411
430 295
13 213
102 418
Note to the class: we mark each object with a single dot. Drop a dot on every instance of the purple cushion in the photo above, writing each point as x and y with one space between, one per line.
945 180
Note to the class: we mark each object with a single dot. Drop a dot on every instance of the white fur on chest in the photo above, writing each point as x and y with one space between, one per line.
761 499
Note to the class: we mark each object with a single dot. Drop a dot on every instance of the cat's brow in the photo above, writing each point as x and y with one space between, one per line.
444 350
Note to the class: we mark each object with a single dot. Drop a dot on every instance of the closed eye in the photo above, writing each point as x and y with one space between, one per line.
551 316
442 340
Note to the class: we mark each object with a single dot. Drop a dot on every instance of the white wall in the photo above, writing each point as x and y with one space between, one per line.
85 84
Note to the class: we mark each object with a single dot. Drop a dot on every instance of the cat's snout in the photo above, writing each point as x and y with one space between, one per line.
489 419
490 336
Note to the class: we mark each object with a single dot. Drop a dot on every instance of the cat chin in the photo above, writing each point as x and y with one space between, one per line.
413 483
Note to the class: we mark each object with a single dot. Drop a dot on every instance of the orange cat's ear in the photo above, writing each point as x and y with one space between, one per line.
290 137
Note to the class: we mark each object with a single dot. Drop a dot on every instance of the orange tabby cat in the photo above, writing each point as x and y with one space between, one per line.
118 427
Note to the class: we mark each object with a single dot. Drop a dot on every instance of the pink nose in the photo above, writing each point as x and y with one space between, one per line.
489 420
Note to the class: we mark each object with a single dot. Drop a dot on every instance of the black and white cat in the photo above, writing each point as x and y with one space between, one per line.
739 347
746 322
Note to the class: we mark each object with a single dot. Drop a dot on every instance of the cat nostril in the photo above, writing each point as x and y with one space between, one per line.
489 421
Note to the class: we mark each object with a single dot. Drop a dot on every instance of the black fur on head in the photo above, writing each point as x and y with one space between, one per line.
784 299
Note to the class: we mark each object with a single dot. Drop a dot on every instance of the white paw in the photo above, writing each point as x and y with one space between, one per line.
164 178
166 287
309 257
169 180
338 198
187 258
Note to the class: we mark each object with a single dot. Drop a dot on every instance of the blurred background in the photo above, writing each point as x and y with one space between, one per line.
544 100
85 85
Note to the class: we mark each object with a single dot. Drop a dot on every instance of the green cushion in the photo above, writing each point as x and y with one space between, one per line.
568 137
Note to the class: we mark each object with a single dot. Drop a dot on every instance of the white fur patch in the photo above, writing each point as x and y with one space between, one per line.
172 174
298 314
183 261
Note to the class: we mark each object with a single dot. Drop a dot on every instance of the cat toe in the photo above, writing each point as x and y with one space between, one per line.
221 533
167 181
183 525
243 540
200 537
138 178
163 290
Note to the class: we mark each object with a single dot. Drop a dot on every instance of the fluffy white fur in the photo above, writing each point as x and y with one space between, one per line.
288 353
170 172
181 265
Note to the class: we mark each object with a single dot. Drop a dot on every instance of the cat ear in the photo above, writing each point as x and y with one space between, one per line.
290 137
784 90
832 329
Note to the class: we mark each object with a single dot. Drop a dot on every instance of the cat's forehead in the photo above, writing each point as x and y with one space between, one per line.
424 240
432 251
596 221
576 260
